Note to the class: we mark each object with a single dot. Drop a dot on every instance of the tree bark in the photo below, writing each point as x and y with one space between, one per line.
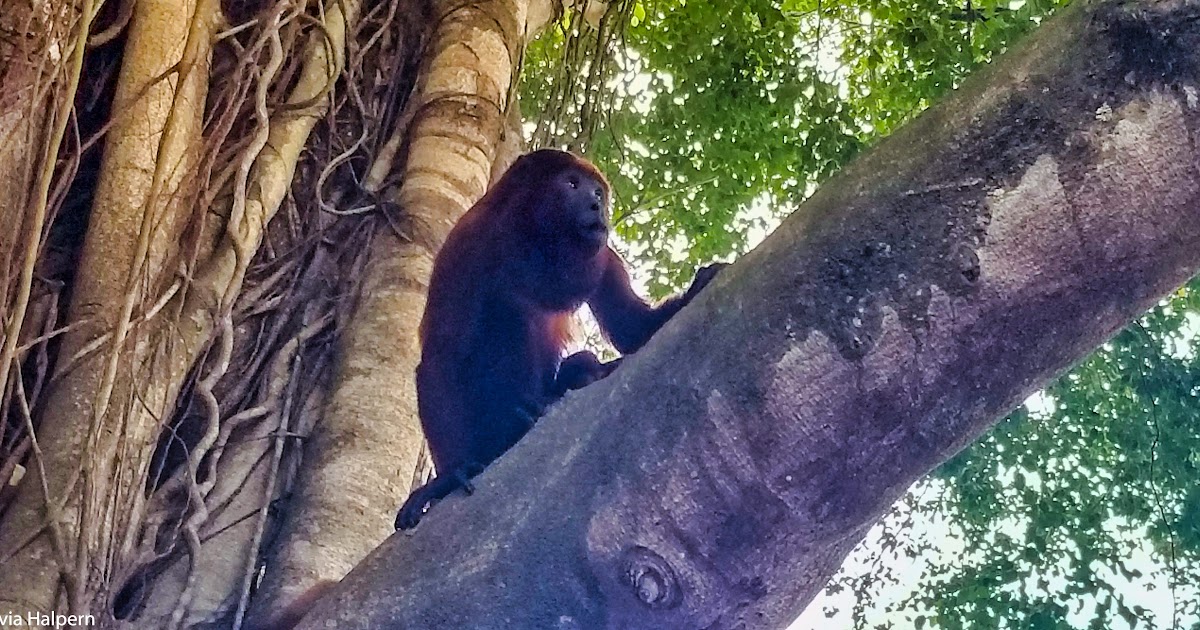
214 582
84 526
187 553
36 88
102 414
719 477
39 85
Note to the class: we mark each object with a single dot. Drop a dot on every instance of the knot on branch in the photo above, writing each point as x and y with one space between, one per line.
654 582
966 262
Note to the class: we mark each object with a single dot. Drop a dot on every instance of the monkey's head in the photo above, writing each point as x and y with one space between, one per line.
567 200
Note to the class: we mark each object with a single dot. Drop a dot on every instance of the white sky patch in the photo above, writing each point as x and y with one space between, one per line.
757 220
1041 405
637 86
1181 345
638 148
828 51
867 556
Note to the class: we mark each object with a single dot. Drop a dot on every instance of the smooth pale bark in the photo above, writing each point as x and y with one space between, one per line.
722 474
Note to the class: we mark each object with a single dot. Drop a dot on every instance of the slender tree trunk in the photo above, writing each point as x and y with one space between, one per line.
718 478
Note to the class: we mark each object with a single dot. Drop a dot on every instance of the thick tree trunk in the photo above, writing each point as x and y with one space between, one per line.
217 580
718 478
146 310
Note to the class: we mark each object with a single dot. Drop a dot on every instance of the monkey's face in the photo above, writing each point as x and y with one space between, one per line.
574 210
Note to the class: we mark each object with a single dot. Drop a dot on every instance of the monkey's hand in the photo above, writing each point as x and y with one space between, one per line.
580 370
703 276
437 489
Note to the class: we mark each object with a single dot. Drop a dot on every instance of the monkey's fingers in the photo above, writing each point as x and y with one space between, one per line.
704 276
464 482
529 412
611 365
463 474
413 509
580 370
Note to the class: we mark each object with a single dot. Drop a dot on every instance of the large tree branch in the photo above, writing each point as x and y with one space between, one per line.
721 475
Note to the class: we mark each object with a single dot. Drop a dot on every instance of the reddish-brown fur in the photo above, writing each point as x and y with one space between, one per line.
511 273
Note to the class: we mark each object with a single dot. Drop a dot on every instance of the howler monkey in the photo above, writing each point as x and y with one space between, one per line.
504 286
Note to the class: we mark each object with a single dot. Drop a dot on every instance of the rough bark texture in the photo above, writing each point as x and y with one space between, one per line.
208 585
719 477
27 106
108 404
38 86
102 540
106 413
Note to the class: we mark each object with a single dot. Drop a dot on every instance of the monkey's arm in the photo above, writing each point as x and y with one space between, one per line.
626 319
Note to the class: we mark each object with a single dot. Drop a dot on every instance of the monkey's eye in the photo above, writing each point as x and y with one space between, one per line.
572 182
599 192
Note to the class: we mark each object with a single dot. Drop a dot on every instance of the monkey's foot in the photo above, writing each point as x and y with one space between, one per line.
527 412
580 370
413 509
437 489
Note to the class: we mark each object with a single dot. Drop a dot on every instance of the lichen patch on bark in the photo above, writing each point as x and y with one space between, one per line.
1008 260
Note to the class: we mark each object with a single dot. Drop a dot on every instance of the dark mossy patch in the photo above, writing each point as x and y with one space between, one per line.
1152 46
